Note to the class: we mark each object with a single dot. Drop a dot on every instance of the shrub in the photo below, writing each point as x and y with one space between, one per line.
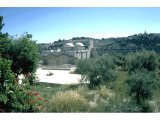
69 101
86 92
16 57
13 97
82 66
97 71
145 60
141 85
119 60
121 106
104 92
49 74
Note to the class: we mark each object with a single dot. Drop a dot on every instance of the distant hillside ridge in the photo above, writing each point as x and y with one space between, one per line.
148 41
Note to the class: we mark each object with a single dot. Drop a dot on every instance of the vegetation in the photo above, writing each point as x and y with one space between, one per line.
122 76
97 71
69 101
18 56
141 61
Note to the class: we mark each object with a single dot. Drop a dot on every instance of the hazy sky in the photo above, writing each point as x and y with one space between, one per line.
51 24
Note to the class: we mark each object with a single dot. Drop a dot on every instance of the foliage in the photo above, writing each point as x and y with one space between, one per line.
23 52
133 43
86 92
83 66
97 71
2 35
5 71
69 101
17 57
24 55
13 97
142 85
145 60
104 92
114 105
119 60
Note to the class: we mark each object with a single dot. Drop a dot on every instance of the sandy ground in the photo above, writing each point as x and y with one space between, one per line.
59 76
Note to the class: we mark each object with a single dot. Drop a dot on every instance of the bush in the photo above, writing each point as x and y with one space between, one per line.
145 60
97 71
17 57
13 97
119 60
115 104
141 87
122 106
104 92
86 92
82 66
69 101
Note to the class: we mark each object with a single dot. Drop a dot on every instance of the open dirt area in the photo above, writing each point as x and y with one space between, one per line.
59 76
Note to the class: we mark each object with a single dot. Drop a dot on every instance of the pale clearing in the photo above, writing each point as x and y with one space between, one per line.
59 76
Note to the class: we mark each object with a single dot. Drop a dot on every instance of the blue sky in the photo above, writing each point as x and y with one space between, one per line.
51 24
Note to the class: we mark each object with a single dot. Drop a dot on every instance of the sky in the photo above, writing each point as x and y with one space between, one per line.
48 24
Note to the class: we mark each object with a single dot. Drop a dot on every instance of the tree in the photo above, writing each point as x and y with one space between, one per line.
1 26
145 60
14 97
25 55
17 57
97 71
141 86
23 52
5 71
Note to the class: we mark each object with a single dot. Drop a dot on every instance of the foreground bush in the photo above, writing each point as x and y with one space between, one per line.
141 87
69 101
104 92
86 92
13 96
121 106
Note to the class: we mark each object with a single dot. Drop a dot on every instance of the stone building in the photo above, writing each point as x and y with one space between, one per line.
78 49
68 52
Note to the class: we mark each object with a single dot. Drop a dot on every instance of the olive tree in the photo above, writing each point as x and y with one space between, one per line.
97 71
145 60
141 86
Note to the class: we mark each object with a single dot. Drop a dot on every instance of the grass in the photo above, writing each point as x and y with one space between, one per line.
68 101
103 99
49 89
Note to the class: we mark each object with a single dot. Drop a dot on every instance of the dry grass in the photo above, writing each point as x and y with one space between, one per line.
105 93
69 101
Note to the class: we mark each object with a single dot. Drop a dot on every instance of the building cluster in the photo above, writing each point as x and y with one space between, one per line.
74 48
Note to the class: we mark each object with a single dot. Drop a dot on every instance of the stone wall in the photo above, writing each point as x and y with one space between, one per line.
58 59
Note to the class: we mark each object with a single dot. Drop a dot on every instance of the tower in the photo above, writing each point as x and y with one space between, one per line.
90 44
90 47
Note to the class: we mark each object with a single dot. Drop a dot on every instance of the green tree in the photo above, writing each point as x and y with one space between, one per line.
82 66
97 71
23 52
17 57
14 97
25 55
1 26
145 60
141 87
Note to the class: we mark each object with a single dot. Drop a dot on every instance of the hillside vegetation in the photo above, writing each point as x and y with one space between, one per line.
123 75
